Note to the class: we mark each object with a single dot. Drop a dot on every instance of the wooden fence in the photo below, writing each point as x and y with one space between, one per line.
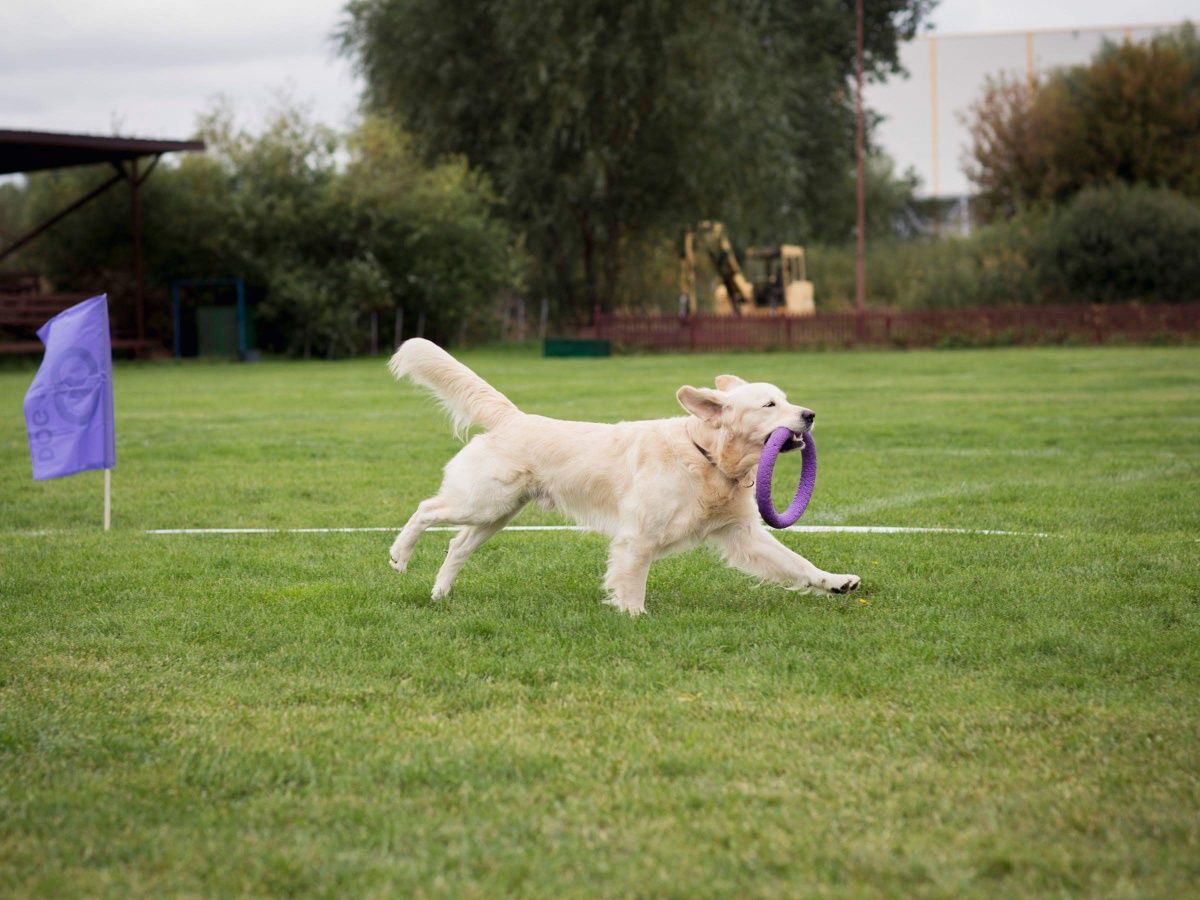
992 326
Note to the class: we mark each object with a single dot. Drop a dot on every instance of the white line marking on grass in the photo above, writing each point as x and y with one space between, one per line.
804 529
1146 473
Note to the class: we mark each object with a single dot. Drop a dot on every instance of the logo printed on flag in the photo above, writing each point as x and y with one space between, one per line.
69 406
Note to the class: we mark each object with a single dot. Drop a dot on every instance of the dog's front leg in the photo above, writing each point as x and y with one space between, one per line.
628 567
752 549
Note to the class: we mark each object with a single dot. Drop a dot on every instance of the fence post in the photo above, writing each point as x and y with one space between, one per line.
176 319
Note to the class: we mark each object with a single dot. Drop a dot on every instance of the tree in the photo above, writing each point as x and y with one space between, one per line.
603 123
1131 115
326 229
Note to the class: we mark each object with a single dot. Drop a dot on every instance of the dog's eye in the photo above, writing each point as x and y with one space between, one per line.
772 403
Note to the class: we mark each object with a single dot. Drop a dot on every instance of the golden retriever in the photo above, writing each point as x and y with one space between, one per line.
654 487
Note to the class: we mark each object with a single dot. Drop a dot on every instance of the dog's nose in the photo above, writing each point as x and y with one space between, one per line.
808 415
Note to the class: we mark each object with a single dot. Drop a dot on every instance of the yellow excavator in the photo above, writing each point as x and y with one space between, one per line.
777 284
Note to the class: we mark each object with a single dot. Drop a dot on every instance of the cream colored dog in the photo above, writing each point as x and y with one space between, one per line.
655 487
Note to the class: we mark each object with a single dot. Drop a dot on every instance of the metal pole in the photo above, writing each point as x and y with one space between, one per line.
59 216
139 288
860 249
933 108
107 499
241 319
176 319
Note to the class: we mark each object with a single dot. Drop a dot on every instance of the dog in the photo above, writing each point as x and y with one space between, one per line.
655 487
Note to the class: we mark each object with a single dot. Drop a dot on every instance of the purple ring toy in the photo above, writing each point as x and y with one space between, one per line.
782 440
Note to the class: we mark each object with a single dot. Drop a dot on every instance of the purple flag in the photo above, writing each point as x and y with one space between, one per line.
69 406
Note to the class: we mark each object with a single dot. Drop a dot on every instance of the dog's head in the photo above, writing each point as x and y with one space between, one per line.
743 415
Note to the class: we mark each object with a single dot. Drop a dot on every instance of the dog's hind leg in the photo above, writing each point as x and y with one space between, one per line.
466 542
429 512
479 488
442 511
482 503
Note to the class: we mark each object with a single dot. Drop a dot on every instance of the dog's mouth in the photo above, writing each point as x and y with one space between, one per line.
795 442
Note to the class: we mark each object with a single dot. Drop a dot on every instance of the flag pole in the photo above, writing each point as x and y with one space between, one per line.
107 498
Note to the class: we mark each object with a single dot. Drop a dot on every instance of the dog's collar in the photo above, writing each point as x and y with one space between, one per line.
712 462
703 452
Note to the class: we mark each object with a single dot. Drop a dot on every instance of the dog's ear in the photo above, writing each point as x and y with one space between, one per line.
703 403
729 382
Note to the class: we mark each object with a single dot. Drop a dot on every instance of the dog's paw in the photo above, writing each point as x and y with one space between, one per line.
396 564
628 608
844 584
440 592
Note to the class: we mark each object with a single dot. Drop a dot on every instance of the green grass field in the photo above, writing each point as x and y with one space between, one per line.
283 714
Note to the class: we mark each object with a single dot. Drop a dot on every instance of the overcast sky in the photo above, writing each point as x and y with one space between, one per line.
148 67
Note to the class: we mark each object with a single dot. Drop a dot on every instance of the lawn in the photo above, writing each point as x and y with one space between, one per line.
283 714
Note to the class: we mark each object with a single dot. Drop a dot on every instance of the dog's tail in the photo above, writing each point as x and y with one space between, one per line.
467 398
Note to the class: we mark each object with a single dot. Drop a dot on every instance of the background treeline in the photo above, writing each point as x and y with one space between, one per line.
326 229
608 127
1114 243
549 149
555 151
1087 189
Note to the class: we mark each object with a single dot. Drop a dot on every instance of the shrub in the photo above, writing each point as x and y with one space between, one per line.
992 267
1122 243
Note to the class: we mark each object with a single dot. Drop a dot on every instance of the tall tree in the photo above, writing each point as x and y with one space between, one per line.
1131 115
602 122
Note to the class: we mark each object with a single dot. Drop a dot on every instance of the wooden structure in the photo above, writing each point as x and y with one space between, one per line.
35 151
27 312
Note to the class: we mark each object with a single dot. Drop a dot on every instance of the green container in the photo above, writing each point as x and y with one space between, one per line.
216 331
576 347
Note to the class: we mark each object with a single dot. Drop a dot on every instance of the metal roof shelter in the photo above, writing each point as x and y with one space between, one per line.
36 151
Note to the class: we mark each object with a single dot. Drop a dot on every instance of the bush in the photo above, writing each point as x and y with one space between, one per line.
1109 244
992 267
1122 243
